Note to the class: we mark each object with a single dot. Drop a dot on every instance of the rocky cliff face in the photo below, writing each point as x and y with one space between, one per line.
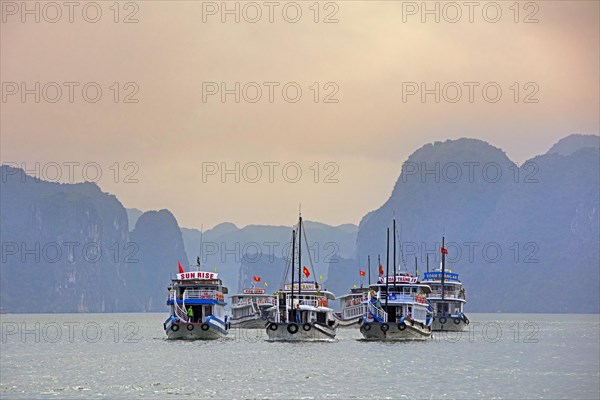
230 249
525 239
59 246
67 248
160 247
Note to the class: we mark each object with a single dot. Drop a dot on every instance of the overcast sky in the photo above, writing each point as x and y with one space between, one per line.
172 62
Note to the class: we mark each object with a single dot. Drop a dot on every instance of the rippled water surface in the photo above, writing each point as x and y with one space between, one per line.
126 355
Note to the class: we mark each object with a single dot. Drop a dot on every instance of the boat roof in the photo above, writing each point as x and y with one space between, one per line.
426 288
355 292
253 292
308 288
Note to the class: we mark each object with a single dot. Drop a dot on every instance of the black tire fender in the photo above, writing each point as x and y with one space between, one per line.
384 327
306 327
204 327
401 326
292 328
190 327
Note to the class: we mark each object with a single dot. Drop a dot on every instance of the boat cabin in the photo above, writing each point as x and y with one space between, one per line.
193 298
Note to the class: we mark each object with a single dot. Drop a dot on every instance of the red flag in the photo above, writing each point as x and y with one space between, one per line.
256 278
380 269
444 251
306 272
362 273
181 271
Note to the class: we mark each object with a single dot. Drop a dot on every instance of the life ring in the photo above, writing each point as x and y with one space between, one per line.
174 327
306 327
204 327
190 327
456 321
442 320
292 328
384 327
273 326
367 326
401 326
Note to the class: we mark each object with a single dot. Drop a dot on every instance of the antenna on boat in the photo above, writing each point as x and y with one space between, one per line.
443 250
394 252
293 259
416 268
427 261
299 251
399 238
199 258
387 270
312 265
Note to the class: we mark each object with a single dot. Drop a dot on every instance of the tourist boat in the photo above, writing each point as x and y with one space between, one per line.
250 309
197 301
447 298
301 312
397 310
396 307
352 308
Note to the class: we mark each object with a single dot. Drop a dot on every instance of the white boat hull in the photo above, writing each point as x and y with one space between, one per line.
347 323
377 331
291 332
194 331
450 325
250 322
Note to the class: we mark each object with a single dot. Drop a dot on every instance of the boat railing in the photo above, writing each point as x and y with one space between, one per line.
315 302
405 297
179 311
266 300
353 311
447 295
379 313
257 300
194 294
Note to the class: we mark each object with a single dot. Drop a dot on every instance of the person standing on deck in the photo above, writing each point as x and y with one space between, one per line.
190 313
298 315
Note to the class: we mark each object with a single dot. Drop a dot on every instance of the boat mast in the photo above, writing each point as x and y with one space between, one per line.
387 270
369 268
293 259
416 268
427 261
299 256
394 253
200 250
443 265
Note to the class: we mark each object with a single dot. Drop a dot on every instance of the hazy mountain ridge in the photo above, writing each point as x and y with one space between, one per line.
67 248
543 216
226 246
572 143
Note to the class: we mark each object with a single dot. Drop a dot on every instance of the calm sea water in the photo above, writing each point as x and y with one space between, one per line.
126 355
